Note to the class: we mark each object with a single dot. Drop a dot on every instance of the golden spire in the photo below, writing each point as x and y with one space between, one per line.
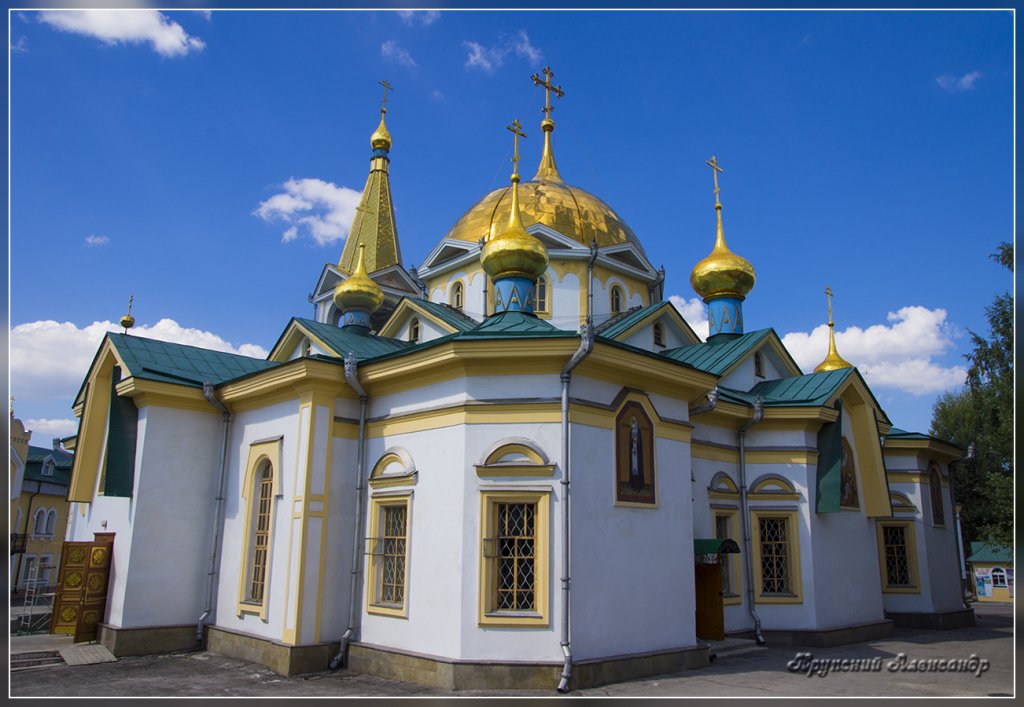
833 361
374 222
128 321
358 291
547 171
514 252
381 138
722 273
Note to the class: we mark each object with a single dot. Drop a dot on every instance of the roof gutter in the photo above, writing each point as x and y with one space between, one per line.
352 376
585 347
218 509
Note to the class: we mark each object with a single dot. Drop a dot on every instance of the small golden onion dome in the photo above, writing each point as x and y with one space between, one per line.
833 361
381 138
722 273
358 291
513 252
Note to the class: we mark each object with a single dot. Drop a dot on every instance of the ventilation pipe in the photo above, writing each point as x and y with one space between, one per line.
586 346
218 509
351 376
748 561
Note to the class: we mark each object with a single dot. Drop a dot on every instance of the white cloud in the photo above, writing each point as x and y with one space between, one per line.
899 355
19 47
207 14
423 17
487 59
44 428
93 241
49 359
695 312
436 95
953 84
165 36
313 207
391 50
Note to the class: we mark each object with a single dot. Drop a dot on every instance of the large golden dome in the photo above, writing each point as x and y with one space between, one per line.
571 211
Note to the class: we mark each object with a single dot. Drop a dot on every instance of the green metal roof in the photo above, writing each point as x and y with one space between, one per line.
813 389
345 340
983 552
514 324
622 322
713 546
447 314
718 354
179 363
897 433
61 470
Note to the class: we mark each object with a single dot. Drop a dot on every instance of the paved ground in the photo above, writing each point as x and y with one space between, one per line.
762 673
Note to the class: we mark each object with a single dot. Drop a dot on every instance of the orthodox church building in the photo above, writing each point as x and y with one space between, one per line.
515 466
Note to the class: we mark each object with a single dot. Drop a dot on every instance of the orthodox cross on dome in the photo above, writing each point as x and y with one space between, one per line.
387 87
128 321
715 169
828 295
548 88
517 130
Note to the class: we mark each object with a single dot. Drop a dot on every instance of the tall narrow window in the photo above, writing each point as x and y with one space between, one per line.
48 467
392 566
896 556
514 568
758 365
51 522
514 571
659 335
540 303
39 524
414 330
616 297
935 486
457 293
388 549
774 537
722 531
264 496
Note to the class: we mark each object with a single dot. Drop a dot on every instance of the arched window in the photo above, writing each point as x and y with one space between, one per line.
307 346
414 330
758 365
616 299
48 467
51 522
998 577
39 522
935 486
456 298
540 303
659 335
263 497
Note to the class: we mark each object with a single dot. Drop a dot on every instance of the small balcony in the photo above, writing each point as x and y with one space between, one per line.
18 541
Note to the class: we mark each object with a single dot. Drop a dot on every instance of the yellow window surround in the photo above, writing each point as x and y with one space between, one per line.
790 567
261 455
732 559
529 542
888 550
387 550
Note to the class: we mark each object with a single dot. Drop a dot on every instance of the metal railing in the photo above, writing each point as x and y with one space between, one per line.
18 541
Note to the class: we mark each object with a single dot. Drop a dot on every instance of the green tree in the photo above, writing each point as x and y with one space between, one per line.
982 414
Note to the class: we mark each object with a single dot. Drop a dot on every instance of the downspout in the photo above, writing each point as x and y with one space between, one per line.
748 560
28 519
352 377
586 346
590 281
218 509
961 566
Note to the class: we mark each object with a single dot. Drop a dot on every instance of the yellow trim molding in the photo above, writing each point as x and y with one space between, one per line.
733 558
374 565
911 543
269 451
792 519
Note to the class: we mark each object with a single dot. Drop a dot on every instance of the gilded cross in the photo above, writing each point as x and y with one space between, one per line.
548 88
517 130
828 294
715 169
131 298
387 87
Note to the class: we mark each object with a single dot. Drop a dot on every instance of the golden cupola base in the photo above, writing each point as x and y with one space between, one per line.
358 296
833 361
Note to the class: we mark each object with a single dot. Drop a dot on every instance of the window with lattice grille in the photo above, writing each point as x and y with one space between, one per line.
388 547
514 547
774 538
261 534
540 302
723 530
897 562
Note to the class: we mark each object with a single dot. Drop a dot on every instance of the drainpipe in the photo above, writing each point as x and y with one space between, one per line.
586 346
708 405
748 563
28 520
218 509
352 377
961 567
590 280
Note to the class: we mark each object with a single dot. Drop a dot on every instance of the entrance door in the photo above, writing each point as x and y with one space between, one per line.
82 587
710 612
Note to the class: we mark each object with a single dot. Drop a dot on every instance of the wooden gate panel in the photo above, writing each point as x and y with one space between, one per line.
82 587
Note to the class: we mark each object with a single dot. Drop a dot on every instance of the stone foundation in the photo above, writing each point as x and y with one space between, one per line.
938 620
448 674
282 658
147 640
824 638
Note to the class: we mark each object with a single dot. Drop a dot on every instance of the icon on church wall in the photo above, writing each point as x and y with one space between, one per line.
847 479
634 456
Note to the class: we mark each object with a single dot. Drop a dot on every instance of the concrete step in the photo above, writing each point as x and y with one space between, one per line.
25 661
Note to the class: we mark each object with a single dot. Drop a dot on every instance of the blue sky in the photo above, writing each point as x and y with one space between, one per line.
870 151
